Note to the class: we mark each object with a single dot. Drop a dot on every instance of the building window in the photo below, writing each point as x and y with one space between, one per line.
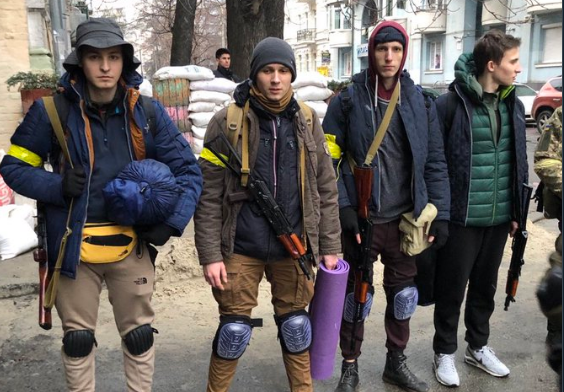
307 62
400 4
346 62
389 5
435 55
300 62
340 18
552 43
431 4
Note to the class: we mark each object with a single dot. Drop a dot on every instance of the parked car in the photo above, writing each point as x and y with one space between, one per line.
548 98
527 95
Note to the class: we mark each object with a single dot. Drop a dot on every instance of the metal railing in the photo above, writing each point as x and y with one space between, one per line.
306 35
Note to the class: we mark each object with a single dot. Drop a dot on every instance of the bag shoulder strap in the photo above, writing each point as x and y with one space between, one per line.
381 132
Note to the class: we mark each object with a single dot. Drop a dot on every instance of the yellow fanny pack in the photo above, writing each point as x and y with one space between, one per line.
106 242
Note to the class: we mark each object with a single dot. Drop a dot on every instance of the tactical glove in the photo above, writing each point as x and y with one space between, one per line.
549 292
439 229
349 220
158 234
73 182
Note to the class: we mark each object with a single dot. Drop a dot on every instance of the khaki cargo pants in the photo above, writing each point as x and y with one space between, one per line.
130 288
291 291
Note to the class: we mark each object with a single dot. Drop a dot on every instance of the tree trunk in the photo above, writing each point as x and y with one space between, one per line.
248 22
183 32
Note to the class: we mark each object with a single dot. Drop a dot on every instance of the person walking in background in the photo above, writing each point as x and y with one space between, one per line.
409 171
106 128
548 166
223 58
235 242
484 135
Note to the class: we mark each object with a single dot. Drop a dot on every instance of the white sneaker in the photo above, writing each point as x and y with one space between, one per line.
486 360
445 370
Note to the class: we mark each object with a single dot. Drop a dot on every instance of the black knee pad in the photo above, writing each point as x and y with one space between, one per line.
294 331
232 337
140 339
78 344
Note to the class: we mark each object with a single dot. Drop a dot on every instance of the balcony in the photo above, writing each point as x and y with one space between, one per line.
340 38
430 19
494 12
544 5
306 36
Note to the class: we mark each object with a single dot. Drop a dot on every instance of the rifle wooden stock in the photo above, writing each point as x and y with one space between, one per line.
363 184
40 255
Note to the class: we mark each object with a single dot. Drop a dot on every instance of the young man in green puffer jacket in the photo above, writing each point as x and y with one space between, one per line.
484 135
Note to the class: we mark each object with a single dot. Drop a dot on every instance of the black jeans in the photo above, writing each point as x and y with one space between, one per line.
471 255
399 272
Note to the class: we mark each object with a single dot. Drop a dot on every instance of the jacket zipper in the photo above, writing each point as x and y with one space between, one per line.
373 114
275 126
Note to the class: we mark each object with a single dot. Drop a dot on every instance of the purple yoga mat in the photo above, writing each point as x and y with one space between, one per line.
326 312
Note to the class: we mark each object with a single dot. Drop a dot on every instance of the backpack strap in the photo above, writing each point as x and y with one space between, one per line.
236 125
452 103
55 119
150 114
306 110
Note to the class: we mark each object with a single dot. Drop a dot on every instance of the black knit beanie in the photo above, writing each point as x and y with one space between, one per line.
272 51
389 34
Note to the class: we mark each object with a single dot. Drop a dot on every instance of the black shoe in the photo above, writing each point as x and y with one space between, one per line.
349 377
397 373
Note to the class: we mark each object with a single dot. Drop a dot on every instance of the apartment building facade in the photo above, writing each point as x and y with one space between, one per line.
331 36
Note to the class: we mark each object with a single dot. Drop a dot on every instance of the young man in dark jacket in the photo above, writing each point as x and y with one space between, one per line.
223 58
484 134
409 171
106 128
237 246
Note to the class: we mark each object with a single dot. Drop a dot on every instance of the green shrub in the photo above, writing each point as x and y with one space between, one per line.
32 80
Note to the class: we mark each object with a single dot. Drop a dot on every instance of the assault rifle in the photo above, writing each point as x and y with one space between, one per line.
40 255
259 192
363 183
518 248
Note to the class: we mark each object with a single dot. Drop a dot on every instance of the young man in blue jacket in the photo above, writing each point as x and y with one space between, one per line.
106 128
409 171
484 134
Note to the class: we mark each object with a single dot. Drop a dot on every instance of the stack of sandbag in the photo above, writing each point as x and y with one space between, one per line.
171 86
16 230
207 97
311 87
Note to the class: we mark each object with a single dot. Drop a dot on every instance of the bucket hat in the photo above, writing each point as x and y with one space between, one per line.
101 33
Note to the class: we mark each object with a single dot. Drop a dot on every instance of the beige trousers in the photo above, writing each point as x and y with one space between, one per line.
291 291
130 288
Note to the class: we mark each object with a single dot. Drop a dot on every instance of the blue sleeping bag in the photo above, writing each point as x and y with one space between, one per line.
144 193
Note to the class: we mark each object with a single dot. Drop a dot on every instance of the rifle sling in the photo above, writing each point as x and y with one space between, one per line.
51 292
381 132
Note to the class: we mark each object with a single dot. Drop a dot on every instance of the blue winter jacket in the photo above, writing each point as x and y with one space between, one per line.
34 142
429 173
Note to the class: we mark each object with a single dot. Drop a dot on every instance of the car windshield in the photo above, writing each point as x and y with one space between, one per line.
557 83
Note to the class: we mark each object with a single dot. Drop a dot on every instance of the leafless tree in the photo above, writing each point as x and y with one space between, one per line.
248 22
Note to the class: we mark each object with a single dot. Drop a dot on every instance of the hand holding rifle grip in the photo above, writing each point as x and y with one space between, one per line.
297 251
